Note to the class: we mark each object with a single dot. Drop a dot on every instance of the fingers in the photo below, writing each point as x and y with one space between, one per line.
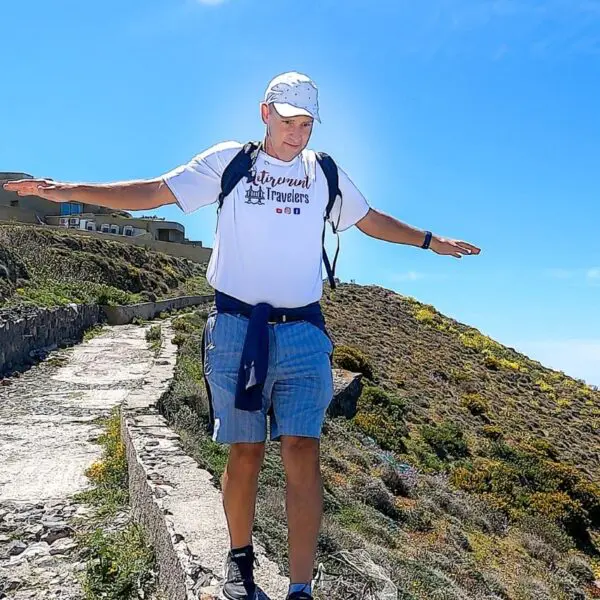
13 186
470 249
457 248
29 187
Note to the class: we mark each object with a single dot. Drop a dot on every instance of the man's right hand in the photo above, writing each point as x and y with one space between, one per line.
44 188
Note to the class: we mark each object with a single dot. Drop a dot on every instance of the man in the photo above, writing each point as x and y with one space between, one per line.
267 352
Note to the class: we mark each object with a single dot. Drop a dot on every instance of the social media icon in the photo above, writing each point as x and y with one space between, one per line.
288 210
279 210
296 211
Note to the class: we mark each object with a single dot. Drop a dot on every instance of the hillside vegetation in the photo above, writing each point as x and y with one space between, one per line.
49 267
469 471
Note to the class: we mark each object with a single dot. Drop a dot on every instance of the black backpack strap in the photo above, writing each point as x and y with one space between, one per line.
237 169
333 183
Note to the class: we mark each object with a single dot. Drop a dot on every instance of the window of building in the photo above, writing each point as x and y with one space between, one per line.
14 203
71 208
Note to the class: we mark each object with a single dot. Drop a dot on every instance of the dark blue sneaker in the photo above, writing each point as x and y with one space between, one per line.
239 575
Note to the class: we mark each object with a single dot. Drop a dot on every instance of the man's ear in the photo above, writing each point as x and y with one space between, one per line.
264 112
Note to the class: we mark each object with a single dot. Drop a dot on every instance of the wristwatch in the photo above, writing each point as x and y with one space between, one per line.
427 241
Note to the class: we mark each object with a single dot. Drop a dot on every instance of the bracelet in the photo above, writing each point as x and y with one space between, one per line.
427 241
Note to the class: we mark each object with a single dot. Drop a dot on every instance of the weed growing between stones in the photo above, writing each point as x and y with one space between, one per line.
154 338
120 563
92 332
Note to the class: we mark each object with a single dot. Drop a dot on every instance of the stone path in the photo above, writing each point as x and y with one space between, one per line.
48 427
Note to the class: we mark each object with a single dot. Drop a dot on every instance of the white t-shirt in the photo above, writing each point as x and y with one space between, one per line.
268 242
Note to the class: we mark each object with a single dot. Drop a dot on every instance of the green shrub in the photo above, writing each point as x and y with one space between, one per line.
428 315
579 568
187 323
560 508
153 333
60 293
523 483
492 432
352 359
384 429
154 338
487 477
375 396
475 403
180 338
446 440
493 362
119 565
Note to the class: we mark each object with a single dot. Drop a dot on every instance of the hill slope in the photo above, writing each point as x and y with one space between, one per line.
441 368
49 267
469 471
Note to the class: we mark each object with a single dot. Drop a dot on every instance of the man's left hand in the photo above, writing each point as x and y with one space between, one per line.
456 248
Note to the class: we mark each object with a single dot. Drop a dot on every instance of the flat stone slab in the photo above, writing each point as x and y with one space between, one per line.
48 431
47 434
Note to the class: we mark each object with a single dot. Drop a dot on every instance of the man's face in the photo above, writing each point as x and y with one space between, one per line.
288 135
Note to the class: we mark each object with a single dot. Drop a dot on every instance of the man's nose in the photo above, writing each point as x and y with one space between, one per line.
297 135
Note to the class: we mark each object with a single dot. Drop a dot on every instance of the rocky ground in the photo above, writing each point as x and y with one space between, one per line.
49 423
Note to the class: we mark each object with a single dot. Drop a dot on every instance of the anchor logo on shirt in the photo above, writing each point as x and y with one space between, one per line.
255 196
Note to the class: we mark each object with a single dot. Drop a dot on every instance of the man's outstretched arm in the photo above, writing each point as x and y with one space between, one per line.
125 195
383 227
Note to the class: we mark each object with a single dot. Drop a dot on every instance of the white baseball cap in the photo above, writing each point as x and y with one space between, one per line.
293 94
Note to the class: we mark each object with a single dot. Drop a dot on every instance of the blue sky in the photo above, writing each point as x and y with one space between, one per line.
475 119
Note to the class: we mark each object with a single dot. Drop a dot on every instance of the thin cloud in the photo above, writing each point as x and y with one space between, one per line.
594 274
408 276
416 276
590 275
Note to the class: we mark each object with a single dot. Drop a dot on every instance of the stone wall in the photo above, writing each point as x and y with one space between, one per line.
121 315
25 336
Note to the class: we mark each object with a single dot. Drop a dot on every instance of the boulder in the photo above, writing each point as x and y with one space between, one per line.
347 388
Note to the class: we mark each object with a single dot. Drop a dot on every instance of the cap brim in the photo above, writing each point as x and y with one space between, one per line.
289 110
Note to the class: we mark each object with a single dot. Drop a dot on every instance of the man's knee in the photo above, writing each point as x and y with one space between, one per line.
300 456
245 458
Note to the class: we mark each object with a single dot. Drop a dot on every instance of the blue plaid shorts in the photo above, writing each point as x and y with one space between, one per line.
298 389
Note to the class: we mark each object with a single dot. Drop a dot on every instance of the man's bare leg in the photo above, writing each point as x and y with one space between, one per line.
304 503
239 483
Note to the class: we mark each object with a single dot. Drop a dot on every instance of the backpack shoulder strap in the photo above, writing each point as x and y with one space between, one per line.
333 181
239 167
333 184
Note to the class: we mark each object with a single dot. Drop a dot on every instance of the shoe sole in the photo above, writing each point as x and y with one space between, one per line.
222 596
